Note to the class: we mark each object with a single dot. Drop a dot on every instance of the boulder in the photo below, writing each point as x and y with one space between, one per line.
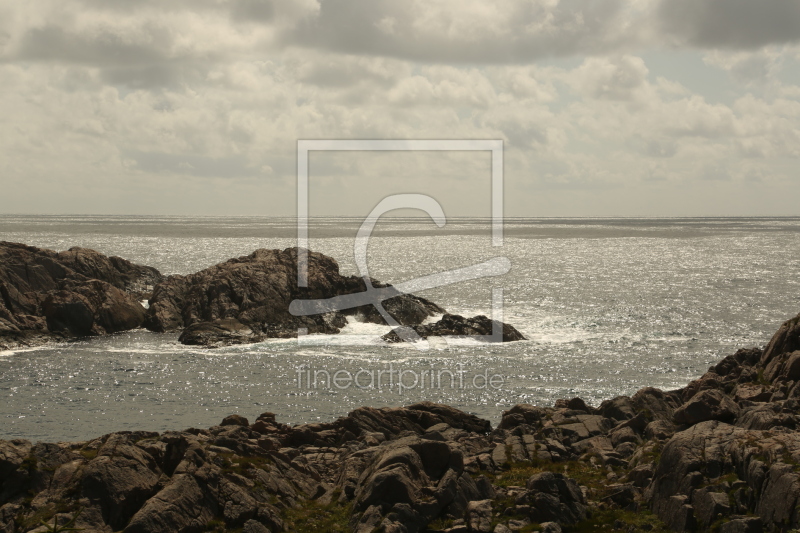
554 498
744 524
479 516
707 405
222 332
458 326
47 295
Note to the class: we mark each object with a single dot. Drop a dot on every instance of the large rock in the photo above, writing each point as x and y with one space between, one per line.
785 340
554 498
256 291
47 295
457 325
707 405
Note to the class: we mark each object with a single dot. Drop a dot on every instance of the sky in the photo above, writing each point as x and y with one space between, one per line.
605 107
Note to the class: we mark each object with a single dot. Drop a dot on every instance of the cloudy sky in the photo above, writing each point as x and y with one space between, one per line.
605 107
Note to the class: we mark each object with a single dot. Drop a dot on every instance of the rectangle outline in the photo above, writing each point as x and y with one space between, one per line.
304 146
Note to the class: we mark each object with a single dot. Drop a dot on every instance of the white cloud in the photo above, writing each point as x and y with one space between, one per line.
104 102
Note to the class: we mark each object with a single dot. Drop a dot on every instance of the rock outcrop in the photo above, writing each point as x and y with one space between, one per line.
247 299
47 295
458 326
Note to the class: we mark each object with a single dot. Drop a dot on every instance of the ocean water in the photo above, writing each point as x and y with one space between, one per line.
608 306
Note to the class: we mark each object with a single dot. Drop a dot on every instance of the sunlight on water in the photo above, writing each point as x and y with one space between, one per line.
607 306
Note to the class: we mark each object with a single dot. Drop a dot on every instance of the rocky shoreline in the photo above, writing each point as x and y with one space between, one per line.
48 296
721 454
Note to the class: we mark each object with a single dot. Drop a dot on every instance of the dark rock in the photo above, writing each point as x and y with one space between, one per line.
745 524
223 332
523 414
256 290
785 340
554 497
120 479
707 405
45 295
619 408
234 420
709 506
456 325
678 514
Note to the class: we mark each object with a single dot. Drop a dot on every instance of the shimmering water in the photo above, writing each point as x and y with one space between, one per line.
608 306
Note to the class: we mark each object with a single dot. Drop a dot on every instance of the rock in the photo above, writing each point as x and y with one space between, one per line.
120 480
641 475
456 325
479 516
707 405
236 420
255 291
785 340
752 393
550 527
619 408
678 514
252 526
554 497
523 414
655 404
745 524
222 332
48 295
710 506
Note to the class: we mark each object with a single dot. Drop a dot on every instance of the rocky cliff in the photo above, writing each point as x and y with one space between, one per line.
47 295
247 299
722 454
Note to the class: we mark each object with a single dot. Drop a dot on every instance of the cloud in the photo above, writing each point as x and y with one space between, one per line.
467 31
211 96
736 24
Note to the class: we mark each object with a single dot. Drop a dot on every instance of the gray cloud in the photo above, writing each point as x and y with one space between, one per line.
52 43
731 23
521 33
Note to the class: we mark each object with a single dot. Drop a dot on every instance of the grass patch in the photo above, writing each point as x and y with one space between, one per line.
518 474
312 517
46 513
604 520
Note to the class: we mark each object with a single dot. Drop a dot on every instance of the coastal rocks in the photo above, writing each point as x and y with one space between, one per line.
456 325
707 405
707 457
223 332
552 497
47 295
256 291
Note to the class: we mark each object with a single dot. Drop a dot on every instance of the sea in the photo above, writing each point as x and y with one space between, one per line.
607 306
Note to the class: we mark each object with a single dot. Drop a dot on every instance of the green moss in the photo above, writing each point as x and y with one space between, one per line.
604 521
442 523
313 517
88 454
584 473
44 514
30 463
